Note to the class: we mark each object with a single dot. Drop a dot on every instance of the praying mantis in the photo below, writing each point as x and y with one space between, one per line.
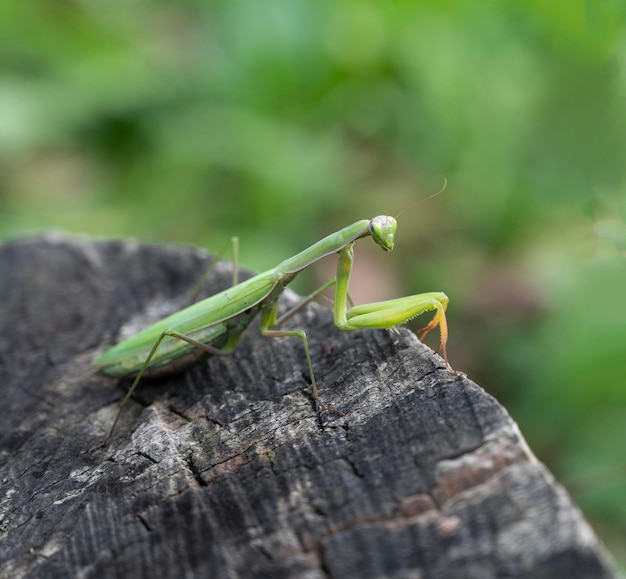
215 325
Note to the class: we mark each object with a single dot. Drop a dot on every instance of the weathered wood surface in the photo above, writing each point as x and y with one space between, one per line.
228 470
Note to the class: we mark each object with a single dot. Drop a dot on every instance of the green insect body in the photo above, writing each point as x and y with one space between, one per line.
215 325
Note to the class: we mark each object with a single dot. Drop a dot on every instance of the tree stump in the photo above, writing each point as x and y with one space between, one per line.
229 469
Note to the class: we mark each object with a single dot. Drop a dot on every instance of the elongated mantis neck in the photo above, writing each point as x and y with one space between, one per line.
381 228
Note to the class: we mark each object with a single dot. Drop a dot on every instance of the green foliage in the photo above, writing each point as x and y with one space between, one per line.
283 120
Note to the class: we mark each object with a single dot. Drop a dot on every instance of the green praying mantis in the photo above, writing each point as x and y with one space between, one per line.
215 325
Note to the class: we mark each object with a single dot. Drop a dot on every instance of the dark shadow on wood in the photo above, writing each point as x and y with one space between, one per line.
228 470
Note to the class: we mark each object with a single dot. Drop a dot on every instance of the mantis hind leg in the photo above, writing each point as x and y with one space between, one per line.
213 351
233 244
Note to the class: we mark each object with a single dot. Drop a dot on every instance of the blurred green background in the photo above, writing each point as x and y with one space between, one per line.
281 121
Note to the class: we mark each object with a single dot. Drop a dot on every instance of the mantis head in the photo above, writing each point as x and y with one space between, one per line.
383 229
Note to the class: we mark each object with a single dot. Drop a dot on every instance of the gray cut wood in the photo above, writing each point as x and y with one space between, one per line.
229 470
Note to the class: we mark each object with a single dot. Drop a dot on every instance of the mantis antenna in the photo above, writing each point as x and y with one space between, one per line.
420 201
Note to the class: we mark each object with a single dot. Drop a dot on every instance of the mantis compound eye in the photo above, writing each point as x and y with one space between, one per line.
383 230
